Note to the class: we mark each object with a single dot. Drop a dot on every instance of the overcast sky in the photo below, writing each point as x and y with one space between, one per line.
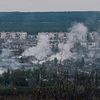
49 5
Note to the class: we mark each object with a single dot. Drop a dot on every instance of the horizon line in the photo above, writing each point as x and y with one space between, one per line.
51 11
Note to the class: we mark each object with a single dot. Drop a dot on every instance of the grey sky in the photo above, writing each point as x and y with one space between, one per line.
49 5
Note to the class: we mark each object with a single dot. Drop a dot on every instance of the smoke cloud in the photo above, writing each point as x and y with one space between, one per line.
42 50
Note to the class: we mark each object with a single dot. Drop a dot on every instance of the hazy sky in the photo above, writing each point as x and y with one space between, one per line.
49 5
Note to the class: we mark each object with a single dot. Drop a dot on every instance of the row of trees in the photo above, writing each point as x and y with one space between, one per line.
78 85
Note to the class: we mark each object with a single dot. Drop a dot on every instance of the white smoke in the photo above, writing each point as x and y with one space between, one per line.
42 50
79 28
77 32
64 52
2 70
5 53
7 60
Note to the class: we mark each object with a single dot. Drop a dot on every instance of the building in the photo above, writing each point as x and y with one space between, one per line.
13 35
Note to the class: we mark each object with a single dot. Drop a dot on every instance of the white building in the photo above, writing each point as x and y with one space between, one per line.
13 35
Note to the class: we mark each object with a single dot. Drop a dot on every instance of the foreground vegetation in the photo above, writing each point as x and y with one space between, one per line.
45 84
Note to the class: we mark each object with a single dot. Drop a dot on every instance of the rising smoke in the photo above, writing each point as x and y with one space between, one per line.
42 51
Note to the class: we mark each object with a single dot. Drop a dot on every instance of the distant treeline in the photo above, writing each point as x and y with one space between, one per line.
33 22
